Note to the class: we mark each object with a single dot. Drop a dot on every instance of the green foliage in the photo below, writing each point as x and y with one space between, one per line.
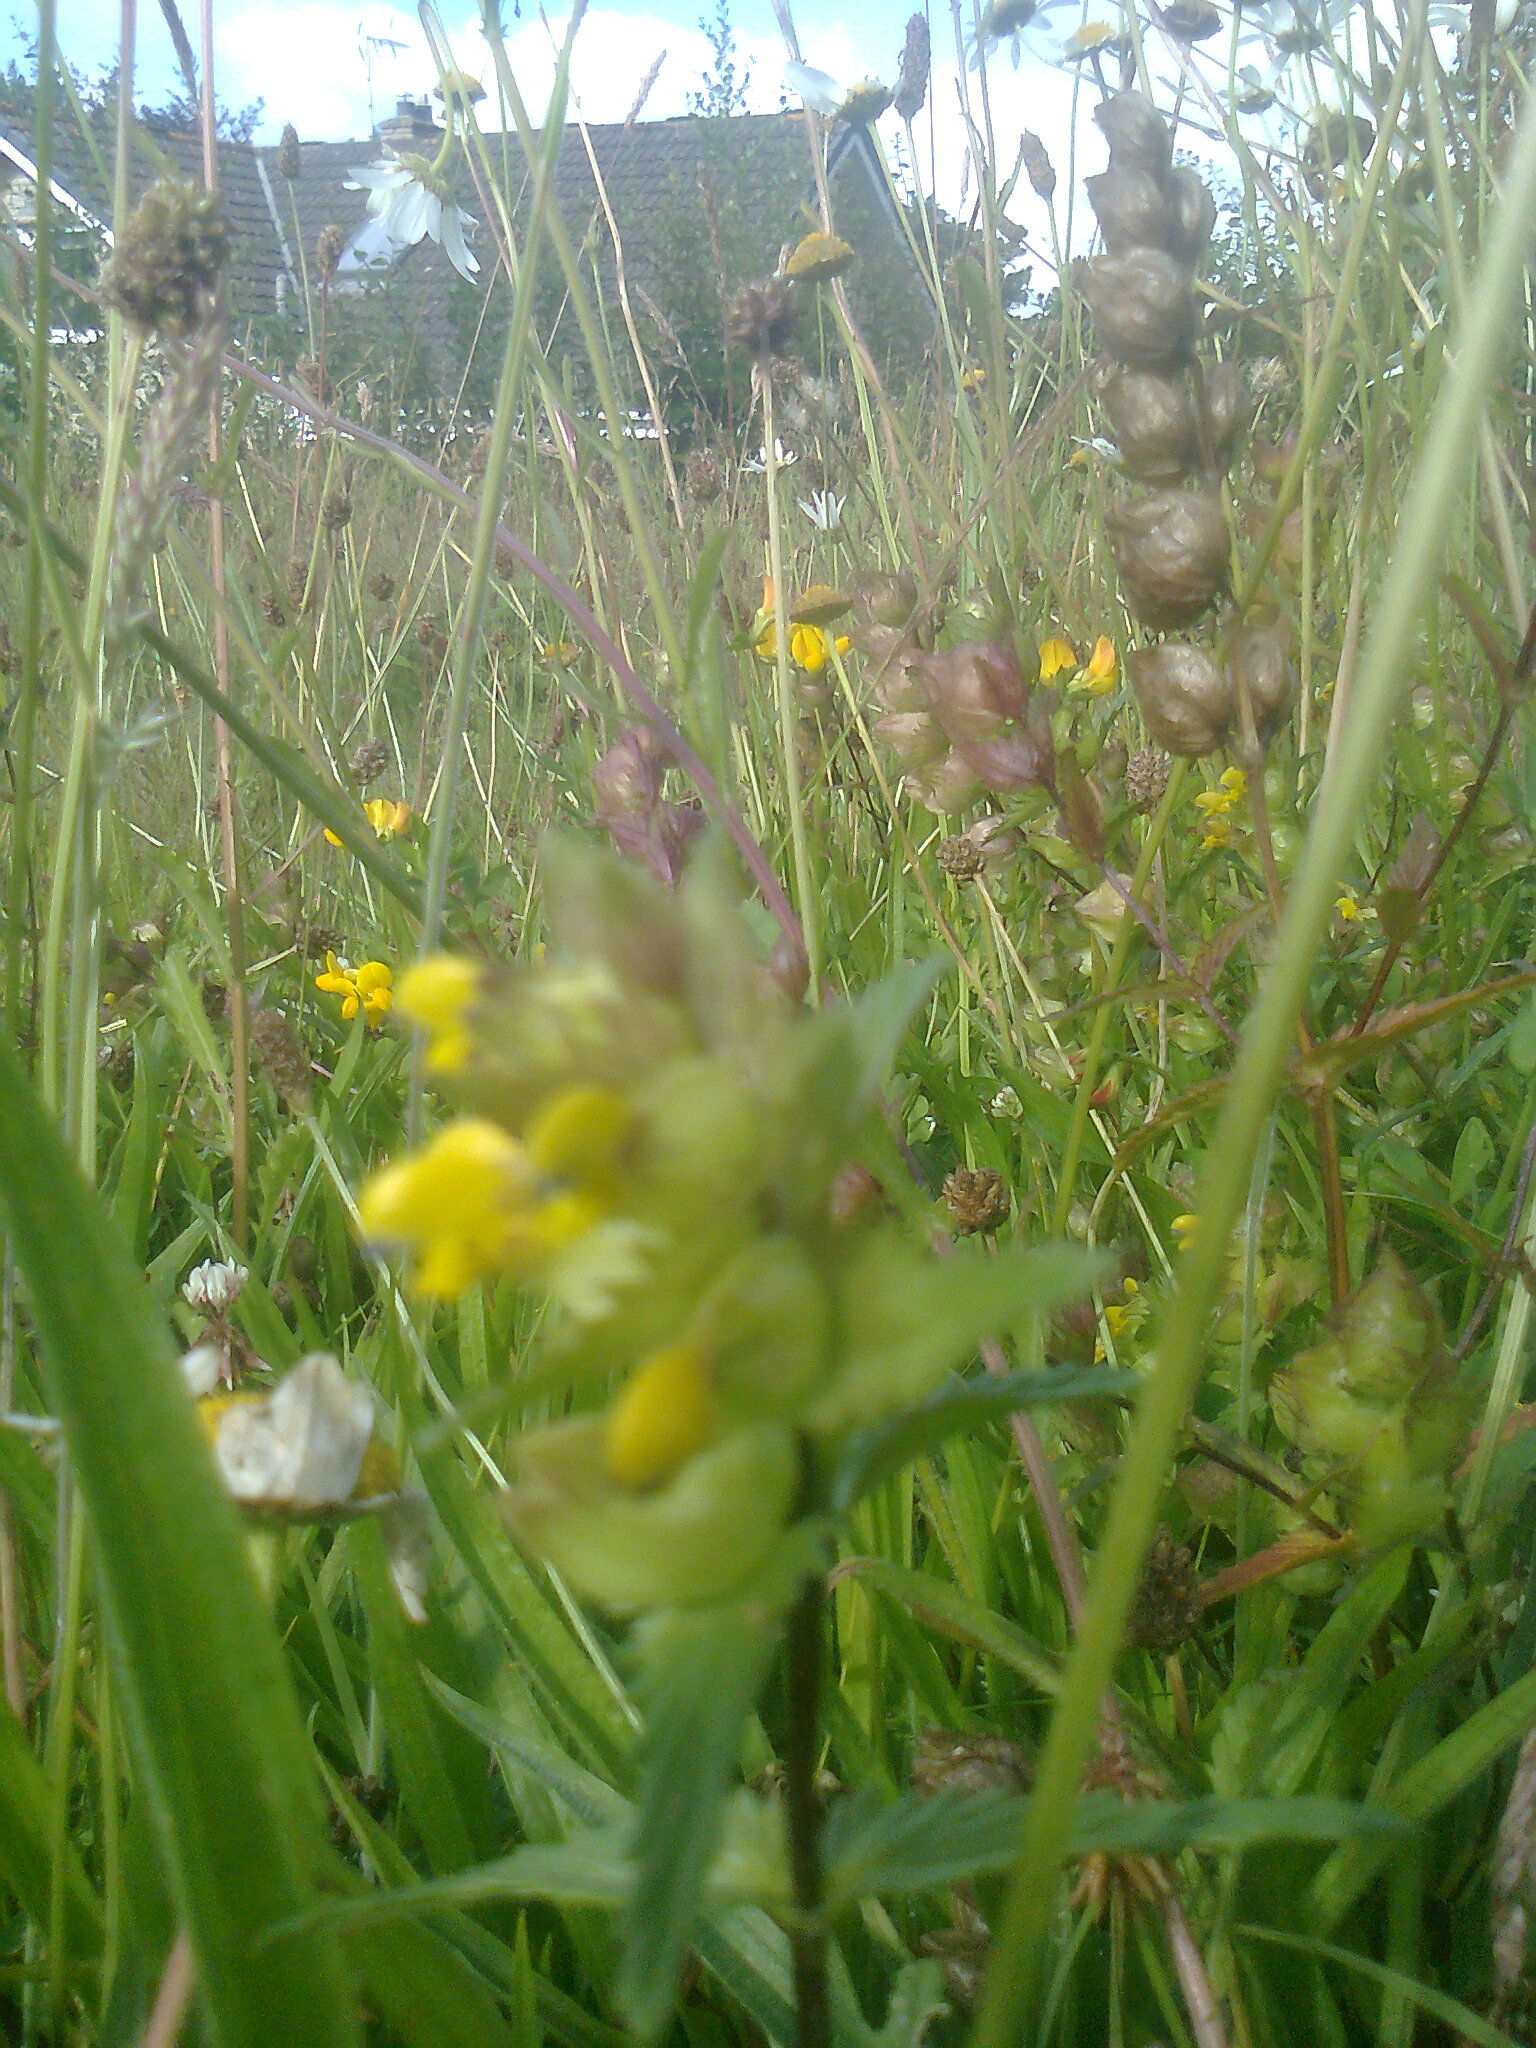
781 1459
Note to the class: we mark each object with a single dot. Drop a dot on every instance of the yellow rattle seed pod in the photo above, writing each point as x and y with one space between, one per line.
664 1414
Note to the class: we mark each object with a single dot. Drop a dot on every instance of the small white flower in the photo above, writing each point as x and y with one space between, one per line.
816 89
408 199
859 104
757 465
824 509
1006 1102
298 1450
205 1368
214 1286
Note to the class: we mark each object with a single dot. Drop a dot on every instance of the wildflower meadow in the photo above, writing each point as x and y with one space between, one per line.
768 1090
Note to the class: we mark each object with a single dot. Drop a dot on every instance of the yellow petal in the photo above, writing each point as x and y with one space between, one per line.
662 1417
1056 656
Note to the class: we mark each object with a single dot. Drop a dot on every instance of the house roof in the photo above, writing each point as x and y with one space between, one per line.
657 177
646 168
84 171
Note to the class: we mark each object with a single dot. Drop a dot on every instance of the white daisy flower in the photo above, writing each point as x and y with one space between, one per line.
824 509
408 198
860 103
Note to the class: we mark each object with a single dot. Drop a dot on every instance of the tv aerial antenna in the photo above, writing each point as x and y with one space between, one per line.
370 47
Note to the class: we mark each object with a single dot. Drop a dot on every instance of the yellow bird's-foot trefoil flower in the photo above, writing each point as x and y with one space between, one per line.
1057 658
369 988
1101 671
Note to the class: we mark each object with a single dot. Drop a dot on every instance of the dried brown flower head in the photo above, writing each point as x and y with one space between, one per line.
1146 778
703 476
369 760
381 585
916 62
164 272
336 511
1191 21
961 858
1167 1607
977 1199
946 1760
329 245
290 159
278 1054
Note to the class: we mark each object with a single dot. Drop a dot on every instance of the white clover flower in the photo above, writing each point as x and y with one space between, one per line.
824 509
408 198
214 1286
1006 1102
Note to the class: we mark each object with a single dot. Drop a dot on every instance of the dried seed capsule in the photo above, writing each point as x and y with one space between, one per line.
1172 553
1136 133
1192 213
945 785
1227 410
982 698
761 317
1185 699
973 688
1132 209
1260 663
1143 307
884 601
914 737
1330 144
1153 421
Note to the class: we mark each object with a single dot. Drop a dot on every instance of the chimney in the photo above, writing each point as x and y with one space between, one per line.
412 126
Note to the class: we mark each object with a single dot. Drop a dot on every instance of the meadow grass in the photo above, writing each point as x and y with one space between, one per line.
1145 1654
